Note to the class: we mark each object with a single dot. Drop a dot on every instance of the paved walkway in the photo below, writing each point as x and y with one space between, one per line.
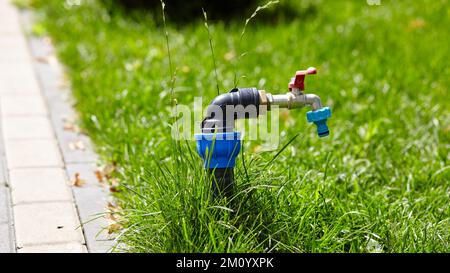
40 210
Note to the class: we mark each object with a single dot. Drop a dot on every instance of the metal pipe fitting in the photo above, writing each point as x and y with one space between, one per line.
291 100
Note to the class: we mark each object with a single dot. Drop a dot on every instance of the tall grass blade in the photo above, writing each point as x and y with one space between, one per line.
173 101
205 15
247 21
280 151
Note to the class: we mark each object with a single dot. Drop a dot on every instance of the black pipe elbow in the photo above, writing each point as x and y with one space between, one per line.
237 96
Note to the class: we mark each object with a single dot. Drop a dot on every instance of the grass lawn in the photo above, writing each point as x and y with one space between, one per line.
380 182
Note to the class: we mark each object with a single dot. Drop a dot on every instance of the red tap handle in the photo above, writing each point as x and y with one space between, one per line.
299 80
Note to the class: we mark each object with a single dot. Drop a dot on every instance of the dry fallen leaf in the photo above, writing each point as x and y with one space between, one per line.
114 228
111 216
41 59
115 211
114 216
112 207
99 174
71 127
114 184
108 170
78 182
70 124
48 59
77 145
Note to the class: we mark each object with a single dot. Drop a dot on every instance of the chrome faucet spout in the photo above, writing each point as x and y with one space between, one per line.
314 101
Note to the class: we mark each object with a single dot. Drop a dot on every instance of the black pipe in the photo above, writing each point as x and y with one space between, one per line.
223 178
222 182
237 96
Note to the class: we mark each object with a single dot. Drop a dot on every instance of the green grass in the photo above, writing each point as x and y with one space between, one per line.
380 182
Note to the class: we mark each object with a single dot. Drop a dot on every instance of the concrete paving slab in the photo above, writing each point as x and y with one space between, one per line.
39 185
27 153
23 105
55 248
46 223
23 127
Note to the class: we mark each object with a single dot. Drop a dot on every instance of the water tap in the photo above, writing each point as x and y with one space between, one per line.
296 98
219 144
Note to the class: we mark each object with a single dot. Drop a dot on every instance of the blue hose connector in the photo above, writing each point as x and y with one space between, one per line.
218 150
319 117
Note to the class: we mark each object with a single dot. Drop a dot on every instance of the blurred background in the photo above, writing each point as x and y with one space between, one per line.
179 11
